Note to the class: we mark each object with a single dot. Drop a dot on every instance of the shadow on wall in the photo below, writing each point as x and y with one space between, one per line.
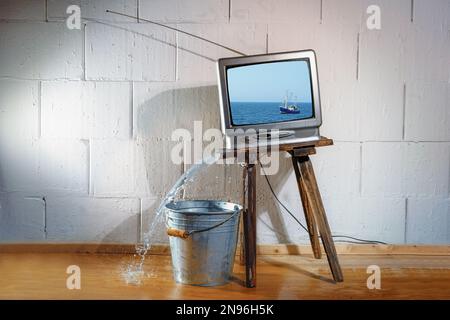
267 204
120 232
174 108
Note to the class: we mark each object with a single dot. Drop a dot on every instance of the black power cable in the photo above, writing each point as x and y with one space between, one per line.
356 240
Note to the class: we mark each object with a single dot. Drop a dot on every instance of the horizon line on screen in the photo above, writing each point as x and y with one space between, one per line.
267 101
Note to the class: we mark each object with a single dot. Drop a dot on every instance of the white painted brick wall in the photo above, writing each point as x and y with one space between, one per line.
405 169
182 104
19 109
44 166
28 10
113 167
63 166
139 52
93 9
40 51
349 13
197 59
184 11
337 169
427 112
127 167
335 46
382 52
71 219
86 115
425 46
428 221
380 218
364 217
86 110
19 164
21 218
380 108
340 116
429 42
304 11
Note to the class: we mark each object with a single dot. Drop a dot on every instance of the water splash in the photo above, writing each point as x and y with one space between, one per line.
134 273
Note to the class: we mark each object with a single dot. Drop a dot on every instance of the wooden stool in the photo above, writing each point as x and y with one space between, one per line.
315 215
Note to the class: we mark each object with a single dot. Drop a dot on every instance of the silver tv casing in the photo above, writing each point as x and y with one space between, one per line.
299 130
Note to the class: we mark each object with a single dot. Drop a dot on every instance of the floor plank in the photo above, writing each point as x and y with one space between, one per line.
43 276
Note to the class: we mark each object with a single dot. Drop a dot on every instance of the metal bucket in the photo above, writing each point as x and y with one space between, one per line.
203 236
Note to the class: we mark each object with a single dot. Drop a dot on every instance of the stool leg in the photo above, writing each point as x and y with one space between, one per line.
309 215
241 220
315 201
250 228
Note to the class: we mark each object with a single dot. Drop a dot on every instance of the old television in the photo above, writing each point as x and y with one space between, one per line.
277 92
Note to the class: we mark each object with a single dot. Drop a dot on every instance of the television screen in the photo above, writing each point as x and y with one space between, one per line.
270 92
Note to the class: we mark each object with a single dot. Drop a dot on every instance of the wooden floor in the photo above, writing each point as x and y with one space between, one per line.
43 276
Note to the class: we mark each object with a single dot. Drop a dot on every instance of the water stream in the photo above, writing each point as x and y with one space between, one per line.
133 273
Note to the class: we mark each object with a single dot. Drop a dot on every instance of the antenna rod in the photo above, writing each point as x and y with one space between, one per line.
178 30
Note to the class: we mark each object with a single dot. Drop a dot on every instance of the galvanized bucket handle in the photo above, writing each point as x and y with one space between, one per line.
184 234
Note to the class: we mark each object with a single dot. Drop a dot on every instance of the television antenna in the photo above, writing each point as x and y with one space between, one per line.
178 30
